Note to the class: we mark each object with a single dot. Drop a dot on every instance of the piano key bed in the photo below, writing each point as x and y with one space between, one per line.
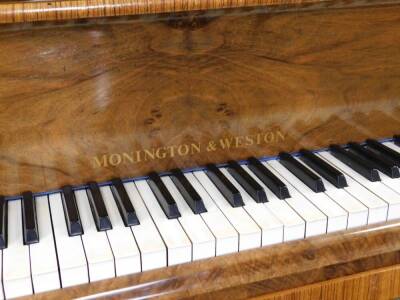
85 234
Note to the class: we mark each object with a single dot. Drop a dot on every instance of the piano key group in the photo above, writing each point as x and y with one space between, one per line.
84 234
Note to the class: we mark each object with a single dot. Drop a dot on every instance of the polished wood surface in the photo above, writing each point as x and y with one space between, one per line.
121 98
21 11
34 11
261 271
380 284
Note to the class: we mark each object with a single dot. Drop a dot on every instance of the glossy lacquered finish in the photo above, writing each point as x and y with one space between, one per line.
40 11
380 284
121 98
256 272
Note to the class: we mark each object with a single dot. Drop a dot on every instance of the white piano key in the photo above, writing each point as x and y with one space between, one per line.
357 212
227 238
316 221
385 193
389 190
392 145
380 189
97 248
294 227
152 248
271 227
16 264
123 244
249 232
44 263
70 252
179 248
203 242
337 216
377 208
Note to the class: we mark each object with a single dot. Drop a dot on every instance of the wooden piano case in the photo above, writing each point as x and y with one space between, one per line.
101 88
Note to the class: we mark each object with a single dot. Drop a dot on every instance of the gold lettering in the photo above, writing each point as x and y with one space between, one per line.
269 137
249 140
195 148
161 153
226 143
238 141
183 150
100 162
127 158
138 155
115 159
171 151
258 139
280 135
148 154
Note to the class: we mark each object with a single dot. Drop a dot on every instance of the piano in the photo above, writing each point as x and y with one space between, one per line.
199 149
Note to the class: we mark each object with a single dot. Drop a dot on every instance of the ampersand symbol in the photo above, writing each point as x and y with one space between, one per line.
211 146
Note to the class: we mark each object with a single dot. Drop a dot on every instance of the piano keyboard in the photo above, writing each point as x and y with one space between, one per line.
77 236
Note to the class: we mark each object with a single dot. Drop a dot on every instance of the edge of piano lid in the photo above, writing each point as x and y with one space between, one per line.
60 10
264 271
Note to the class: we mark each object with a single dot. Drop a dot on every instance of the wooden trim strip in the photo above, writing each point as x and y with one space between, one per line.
18 12
62 10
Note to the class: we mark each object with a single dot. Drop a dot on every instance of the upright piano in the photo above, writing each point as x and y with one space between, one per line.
227 149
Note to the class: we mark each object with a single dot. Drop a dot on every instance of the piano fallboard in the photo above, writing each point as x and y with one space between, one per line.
122 97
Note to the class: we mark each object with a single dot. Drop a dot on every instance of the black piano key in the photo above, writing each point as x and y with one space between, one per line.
227 189
313 181
268 178
251 186
29 219
396 139
3 223
124 204
357 163
163 196
324 169
383 150
71 213
99 211
386 166
190 195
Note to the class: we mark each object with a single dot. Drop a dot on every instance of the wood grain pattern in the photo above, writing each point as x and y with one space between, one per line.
36 11
380 284
62 10
72 94
261 271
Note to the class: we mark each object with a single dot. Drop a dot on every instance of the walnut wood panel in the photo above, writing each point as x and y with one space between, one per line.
120 98
258 272
380 284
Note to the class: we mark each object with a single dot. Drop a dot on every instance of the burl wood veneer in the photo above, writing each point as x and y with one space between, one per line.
380 284
266 271
78 102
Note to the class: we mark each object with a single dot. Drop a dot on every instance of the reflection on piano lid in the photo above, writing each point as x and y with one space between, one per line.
99 231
